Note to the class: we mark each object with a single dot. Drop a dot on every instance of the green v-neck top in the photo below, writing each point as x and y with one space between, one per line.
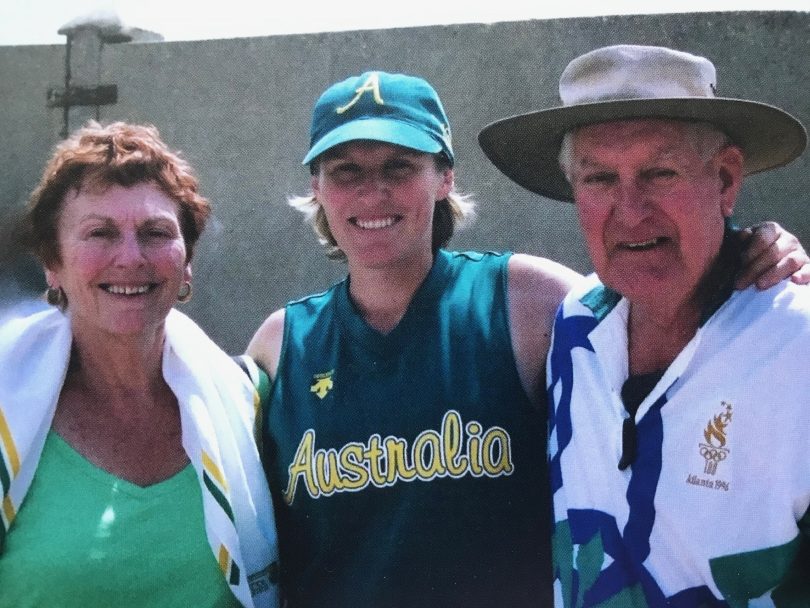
85 538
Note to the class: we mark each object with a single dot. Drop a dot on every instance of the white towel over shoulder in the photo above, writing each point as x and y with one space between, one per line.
218 409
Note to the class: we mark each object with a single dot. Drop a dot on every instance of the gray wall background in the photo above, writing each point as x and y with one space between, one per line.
239 111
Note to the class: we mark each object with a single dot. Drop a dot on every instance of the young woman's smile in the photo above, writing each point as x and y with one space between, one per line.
379 200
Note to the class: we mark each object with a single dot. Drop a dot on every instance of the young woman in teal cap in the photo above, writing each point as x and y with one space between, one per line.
404 436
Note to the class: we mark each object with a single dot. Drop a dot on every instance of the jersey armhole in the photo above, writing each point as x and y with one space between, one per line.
258 377
262 386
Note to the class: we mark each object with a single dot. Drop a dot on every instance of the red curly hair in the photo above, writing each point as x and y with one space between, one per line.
98 157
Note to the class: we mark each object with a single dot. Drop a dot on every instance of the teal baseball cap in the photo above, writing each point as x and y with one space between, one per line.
378 106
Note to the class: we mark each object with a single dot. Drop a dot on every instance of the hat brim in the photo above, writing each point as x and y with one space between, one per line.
526 147
385 130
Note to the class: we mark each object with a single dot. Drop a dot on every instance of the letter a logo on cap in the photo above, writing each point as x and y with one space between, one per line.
410 116
371 85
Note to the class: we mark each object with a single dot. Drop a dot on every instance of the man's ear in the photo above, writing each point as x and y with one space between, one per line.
730 162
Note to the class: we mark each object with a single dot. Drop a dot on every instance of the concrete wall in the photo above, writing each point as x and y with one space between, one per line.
239 110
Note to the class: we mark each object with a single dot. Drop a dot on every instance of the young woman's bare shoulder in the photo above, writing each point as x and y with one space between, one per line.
536 288
543 281
265 346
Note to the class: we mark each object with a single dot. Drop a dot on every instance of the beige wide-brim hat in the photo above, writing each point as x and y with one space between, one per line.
625 82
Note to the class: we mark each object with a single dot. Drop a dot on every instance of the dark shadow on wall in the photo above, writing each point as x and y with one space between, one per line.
21 276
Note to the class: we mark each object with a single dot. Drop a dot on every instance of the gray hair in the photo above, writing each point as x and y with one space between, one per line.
706 138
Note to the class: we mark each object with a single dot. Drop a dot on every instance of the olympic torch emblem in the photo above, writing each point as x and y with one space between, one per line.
714 450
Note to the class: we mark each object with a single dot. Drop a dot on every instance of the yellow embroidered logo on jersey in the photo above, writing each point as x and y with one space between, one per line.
371 85
457 450
322 384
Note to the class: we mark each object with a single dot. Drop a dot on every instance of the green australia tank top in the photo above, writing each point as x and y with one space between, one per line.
408 469
86 539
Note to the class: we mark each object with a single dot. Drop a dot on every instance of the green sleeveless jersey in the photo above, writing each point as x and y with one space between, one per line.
87 539
408 469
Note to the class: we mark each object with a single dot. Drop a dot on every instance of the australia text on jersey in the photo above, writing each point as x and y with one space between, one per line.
456 450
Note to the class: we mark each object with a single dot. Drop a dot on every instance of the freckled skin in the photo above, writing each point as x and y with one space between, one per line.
119 237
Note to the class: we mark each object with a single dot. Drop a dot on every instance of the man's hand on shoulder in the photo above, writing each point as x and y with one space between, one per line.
771 255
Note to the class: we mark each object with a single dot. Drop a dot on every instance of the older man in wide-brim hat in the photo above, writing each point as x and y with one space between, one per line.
680 420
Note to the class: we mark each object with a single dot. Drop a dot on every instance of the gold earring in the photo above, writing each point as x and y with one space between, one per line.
55 296
185 292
